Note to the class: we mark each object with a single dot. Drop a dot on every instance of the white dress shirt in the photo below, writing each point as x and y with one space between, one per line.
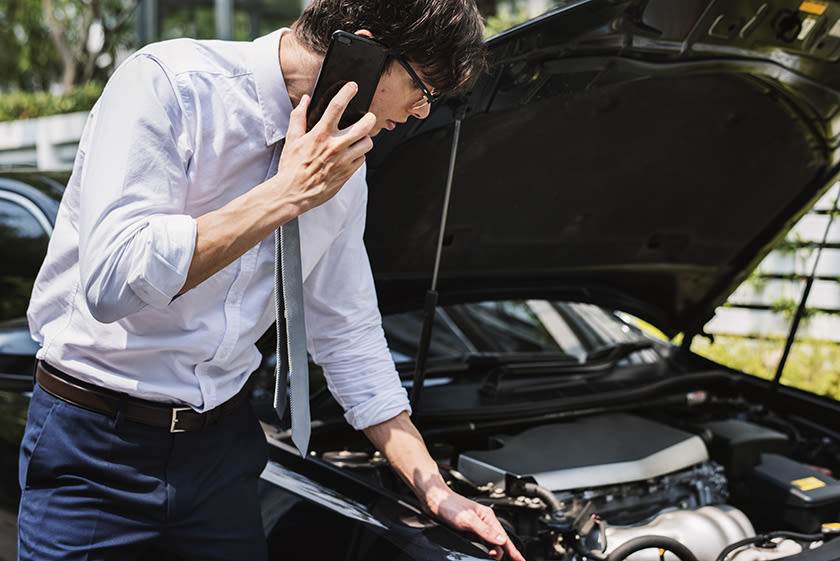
182 128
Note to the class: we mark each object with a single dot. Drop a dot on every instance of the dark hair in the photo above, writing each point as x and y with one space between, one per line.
443 37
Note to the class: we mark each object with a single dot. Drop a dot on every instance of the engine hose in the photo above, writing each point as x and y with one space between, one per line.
546 496
795 536
645 542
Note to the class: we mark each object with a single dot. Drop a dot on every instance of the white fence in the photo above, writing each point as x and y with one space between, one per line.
764 305
47 143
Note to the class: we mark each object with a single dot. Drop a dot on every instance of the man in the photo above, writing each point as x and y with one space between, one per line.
159 280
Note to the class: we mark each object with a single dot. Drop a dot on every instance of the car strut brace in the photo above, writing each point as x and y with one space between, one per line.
803 300
430 303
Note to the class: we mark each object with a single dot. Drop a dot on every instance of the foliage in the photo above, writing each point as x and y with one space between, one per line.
790 246
46 42
788 308
505 19
812 365
87 35
50 42
27 105
189 21
757 280
28 58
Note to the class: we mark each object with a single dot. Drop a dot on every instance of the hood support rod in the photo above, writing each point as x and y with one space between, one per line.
431 300
800 310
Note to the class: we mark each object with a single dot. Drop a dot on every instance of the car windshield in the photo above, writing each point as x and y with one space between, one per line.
512 327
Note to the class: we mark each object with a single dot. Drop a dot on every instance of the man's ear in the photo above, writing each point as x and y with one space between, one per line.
364 33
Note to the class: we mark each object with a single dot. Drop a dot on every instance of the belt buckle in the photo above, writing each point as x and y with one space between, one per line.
175 411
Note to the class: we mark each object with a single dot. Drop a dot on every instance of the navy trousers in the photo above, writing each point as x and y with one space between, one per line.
95 487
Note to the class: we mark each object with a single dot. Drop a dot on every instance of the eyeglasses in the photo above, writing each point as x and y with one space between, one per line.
428 96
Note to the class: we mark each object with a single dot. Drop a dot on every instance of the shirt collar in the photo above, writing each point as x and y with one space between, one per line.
271 87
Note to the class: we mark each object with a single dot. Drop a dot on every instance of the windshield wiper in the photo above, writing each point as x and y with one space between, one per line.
597 362
484 361
612 354
601 358
491 359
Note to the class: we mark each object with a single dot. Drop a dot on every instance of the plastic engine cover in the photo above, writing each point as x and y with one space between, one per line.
589 452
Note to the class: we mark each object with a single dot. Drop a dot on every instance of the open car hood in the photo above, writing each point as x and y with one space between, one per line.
639 155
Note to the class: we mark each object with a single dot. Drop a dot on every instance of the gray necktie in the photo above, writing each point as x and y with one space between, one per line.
291 333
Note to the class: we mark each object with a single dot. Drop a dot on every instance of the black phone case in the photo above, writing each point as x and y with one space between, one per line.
349 58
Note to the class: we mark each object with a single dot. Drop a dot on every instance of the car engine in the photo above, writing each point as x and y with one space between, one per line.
619 486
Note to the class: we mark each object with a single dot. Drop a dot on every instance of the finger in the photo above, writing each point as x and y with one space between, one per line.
498 552
360 147
355 156
508 547
297 119
363 126
335 109
357 163
489 527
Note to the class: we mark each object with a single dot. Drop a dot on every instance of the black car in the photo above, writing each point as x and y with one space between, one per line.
620 160
28 205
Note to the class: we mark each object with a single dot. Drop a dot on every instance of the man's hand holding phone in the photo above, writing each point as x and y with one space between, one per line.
315 165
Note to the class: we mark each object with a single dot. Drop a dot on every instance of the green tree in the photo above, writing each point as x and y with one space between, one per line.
66 42
28 59
500 20
86 35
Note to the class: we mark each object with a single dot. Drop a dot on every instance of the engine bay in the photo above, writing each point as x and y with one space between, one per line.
642 485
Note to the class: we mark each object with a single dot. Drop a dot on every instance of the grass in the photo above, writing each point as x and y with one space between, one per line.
812 365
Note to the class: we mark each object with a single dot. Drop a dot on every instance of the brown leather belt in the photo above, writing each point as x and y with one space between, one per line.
108 402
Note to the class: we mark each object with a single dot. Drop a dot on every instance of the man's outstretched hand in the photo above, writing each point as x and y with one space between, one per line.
402 444
466 515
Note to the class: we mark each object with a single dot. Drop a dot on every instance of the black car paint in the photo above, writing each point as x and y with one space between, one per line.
40 193
37 195
28 205
621 153
314 510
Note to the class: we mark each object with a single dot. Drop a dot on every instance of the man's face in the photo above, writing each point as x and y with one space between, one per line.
398 97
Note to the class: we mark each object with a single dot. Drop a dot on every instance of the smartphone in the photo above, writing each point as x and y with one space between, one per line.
349 58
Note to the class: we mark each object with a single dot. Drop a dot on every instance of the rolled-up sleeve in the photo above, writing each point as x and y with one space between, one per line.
136 240
345 335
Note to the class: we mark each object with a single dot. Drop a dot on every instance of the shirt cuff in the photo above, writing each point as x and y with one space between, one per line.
378 409
169 262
